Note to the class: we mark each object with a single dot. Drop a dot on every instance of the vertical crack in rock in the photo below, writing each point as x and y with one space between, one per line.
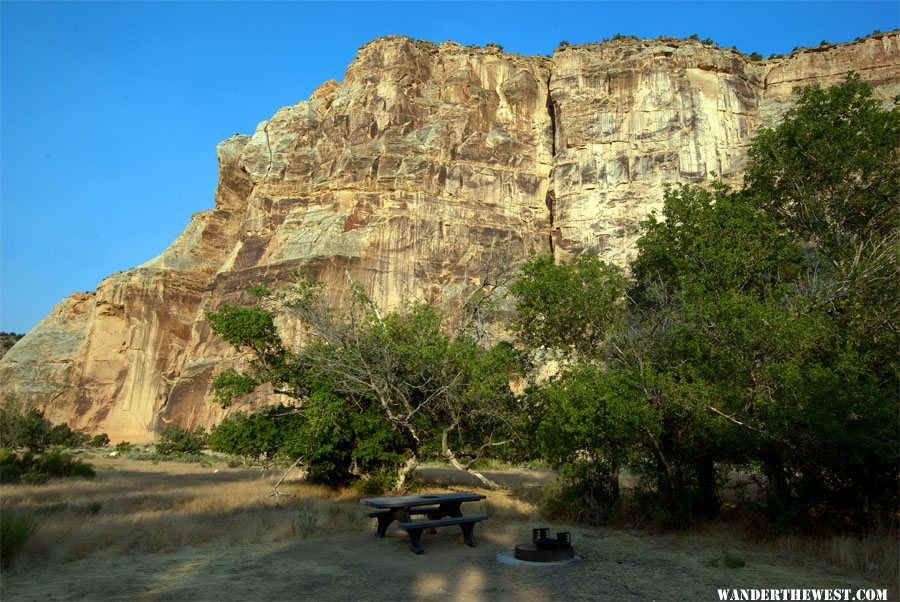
551 199
268 148
551 111
551 196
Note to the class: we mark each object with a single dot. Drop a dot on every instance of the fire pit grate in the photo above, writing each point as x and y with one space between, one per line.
544 549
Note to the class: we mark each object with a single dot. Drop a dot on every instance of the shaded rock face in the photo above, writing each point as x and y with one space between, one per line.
424 167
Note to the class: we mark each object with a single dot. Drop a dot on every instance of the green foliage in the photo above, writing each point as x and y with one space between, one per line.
760 330
830 174
174 440
62 435
253 328
755 56
376 393
100 440
15 530
563 44
322 433
57 463
589 415
230 384
38 468
7 340
568 306
585 417
154 457
830 171
433 392
23 428
712 241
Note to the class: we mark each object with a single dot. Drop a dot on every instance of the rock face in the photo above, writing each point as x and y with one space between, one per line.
426 165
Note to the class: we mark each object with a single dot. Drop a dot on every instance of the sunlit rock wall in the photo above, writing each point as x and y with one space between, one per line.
426 166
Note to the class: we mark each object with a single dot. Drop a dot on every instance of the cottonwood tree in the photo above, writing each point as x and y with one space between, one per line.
710 282
566 306
382 391
646 382
759 330
830 173
582 426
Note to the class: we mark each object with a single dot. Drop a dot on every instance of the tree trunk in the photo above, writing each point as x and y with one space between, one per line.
410 465
706 478
455 463
777 491
451 457
613 479
275 491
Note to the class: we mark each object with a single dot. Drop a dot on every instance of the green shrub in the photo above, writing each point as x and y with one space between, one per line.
262 434
14 532
176 440
20 427
377 483
57 463
100 440
329 437
61 434
10 467
8 339
23 428
37 468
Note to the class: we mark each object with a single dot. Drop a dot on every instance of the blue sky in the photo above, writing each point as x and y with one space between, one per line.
110 111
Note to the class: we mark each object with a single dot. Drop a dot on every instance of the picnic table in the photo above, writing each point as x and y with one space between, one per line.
438 510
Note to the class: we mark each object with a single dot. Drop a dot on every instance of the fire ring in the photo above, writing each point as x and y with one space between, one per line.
544 549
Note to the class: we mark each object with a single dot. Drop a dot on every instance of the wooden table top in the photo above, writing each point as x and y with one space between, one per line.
421 500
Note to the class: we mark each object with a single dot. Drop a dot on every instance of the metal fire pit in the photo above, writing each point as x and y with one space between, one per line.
544 549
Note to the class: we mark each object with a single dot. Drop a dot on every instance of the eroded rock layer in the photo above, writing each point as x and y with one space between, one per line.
424 167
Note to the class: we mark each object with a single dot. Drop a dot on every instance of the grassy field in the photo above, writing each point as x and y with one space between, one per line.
164 531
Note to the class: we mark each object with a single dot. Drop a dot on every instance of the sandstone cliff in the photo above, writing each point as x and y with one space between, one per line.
424 165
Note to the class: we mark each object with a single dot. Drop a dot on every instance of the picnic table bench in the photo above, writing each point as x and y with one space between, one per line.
439 510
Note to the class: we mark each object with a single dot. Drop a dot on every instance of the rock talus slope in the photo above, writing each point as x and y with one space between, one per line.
424 169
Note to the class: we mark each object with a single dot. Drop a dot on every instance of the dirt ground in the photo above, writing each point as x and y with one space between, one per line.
350 563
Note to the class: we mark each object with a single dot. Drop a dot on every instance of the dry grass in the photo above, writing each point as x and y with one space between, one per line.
140 508
134 508
877 556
